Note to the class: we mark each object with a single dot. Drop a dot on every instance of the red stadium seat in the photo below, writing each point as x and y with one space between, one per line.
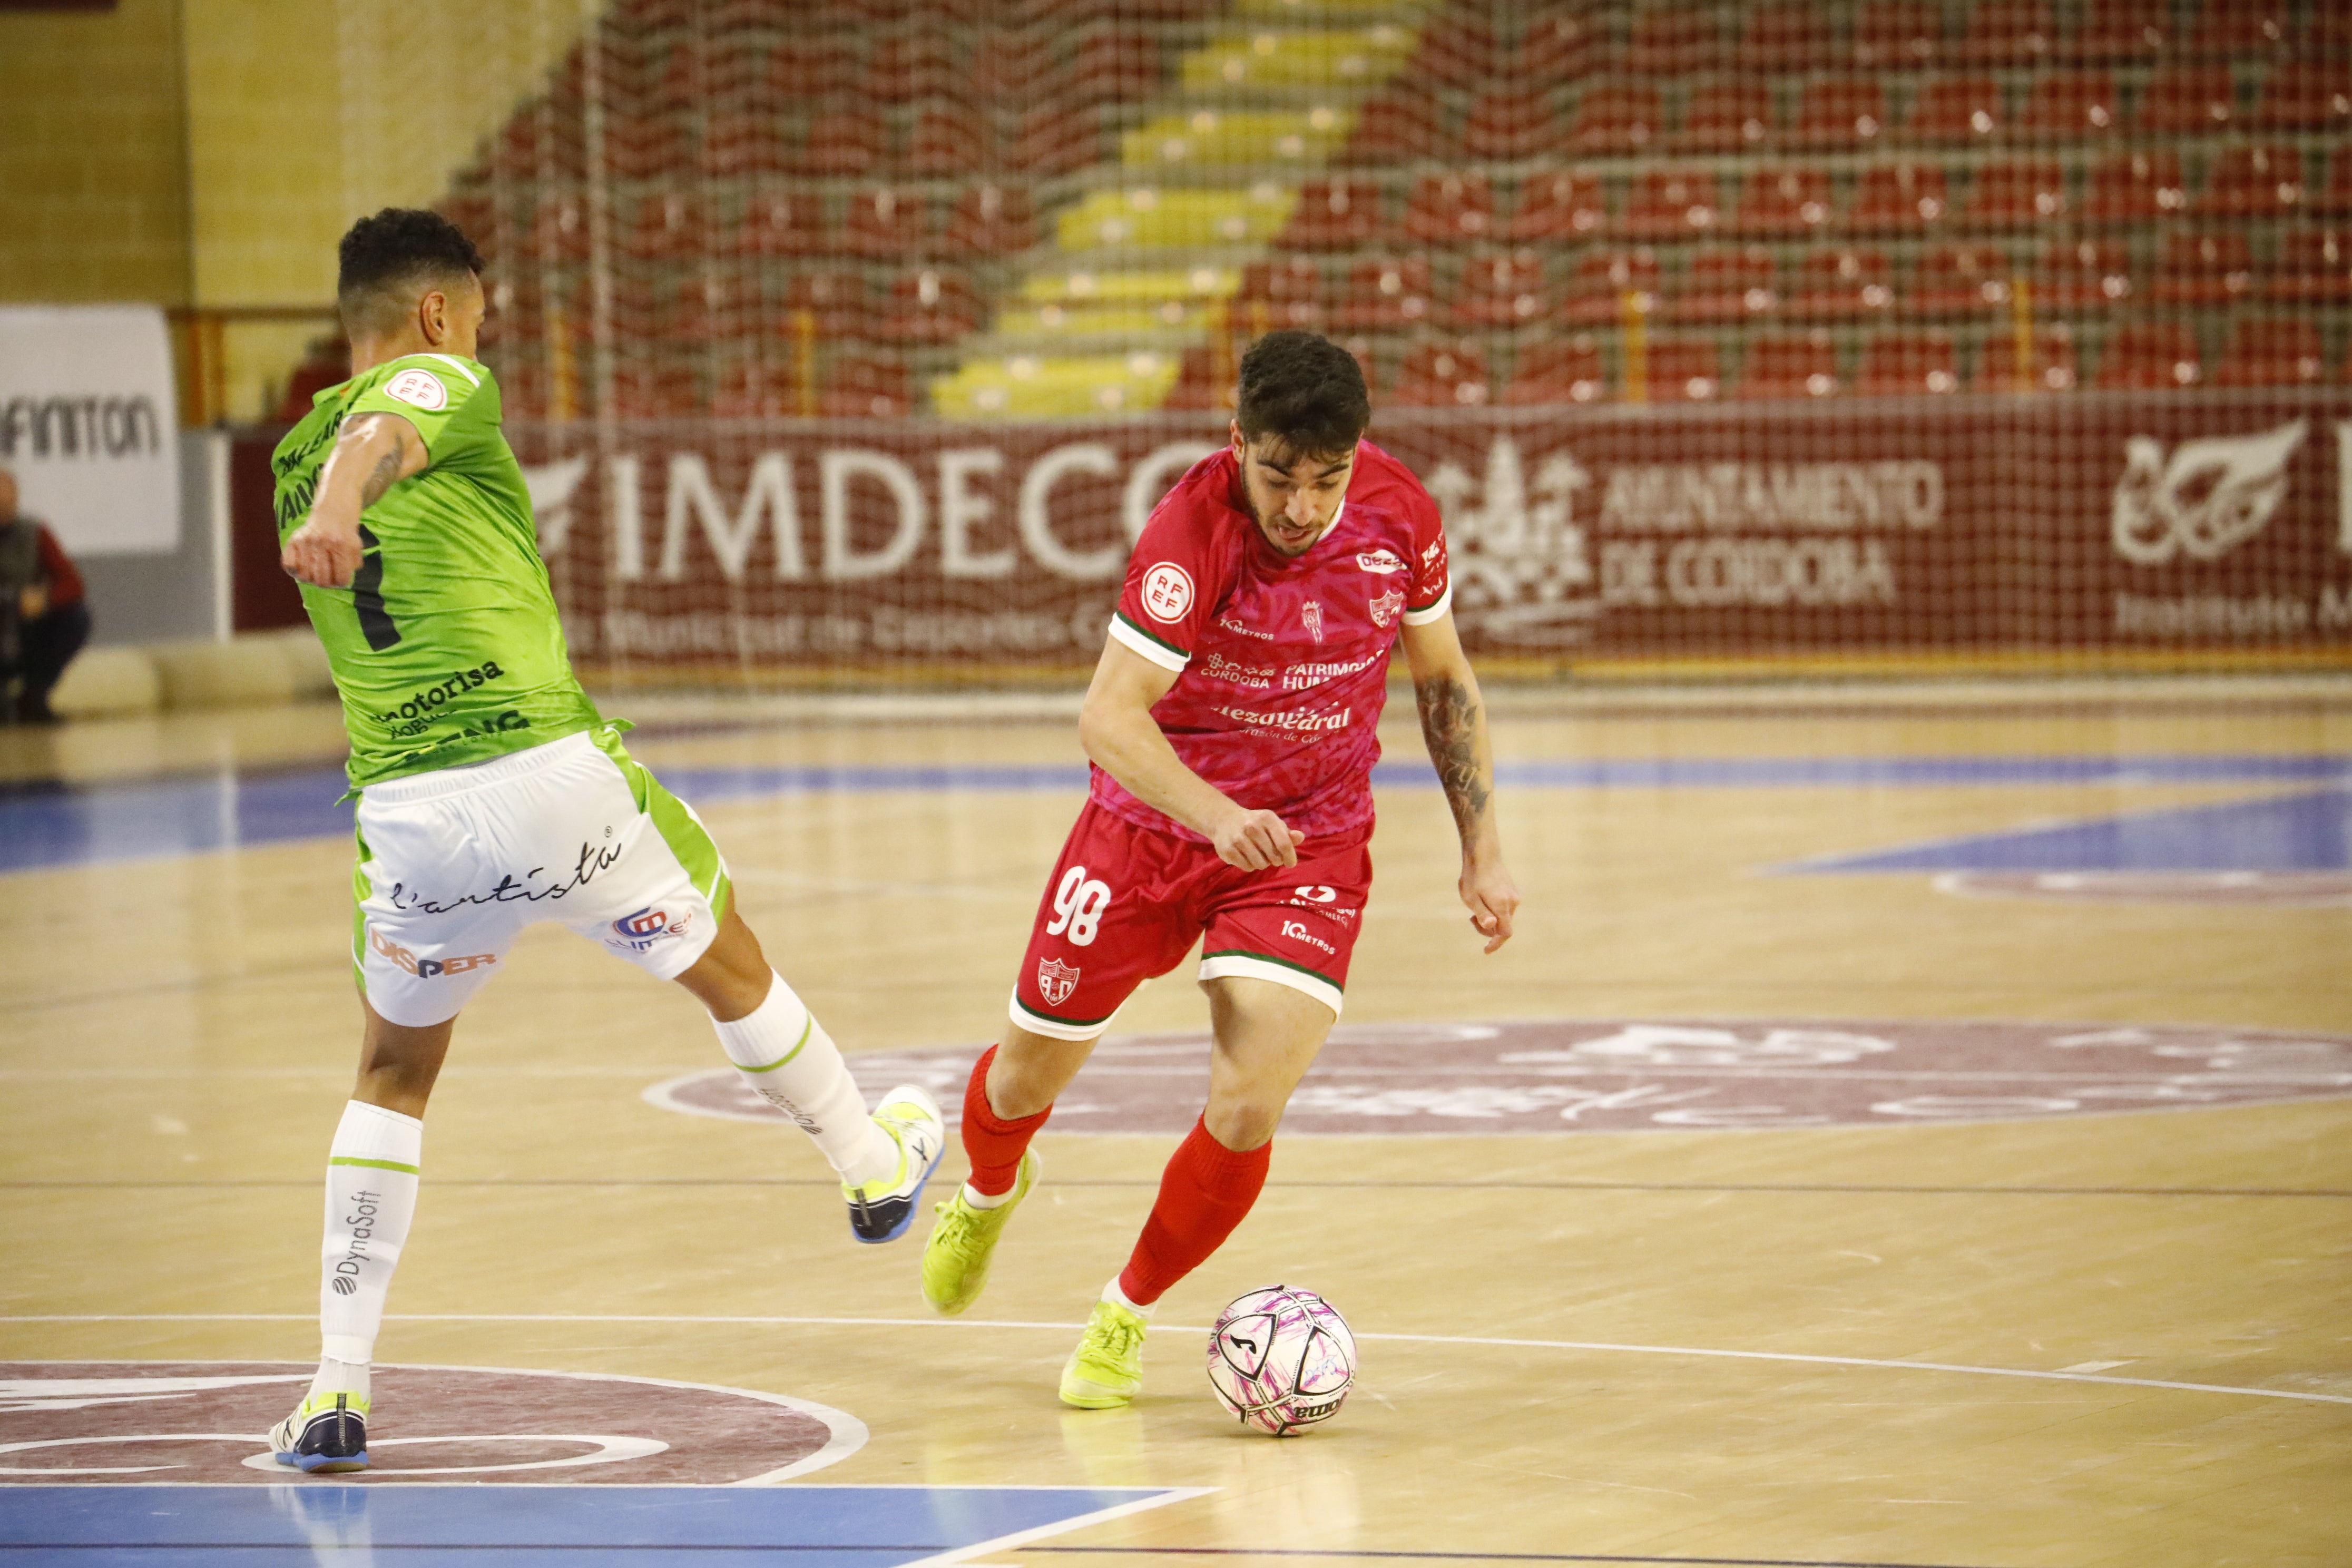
1443 375
1117 64
2138 189
1680 370
737 143
1558 206
2338 196
1906 364
719 307
667 228
2239 28
1459 49
637 149
1558 371
557 231
1723 286
2270 352
2208 268
1396 126
915 65
862 388
2306 97
1673 39
1056 138
1840 112
1559 44
949 139
2150 356
750 389
1598 288
1515 123
991 220
1897 198
1204 380
1727 115
1787 35
1843 285
2070 103
1957 109
2188 101
1289 291
1671 203
930 305
2046 365
2081 275
1010 65
1958 280
845 141
2314 267
808 64
830 301
1334 215
1615 120
1450 209
2021 193
655 391
1792 366
2008 32
884 222
1898 34
1381 295
2127 31
2251 182
1784 201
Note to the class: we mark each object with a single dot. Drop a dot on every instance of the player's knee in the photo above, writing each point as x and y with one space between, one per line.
1242 1122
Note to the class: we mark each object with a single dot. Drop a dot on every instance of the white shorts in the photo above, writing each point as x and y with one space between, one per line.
454 864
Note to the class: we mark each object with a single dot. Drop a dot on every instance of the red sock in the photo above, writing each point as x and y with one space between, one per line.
1206 1190
993 1144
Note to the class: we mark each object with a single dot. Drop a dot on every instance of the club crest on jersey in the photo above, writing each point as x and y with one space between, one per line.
1385 608
1056 981
418 389
1311 615
1167 592
1379 561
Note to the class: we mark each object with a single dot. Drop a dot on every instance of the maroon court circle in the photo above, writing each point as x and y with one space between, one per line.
1618 1076
205 1423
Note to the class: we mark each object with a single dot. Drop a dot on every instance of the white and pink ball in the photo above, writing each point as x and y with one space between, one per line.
1281 1359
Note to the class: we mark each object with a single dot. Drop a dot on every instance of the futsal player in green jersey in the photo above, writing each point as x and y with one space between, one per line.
491 793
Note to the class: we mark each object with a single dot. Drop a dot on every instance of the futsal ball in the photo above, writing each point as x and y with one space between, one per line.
1281 1359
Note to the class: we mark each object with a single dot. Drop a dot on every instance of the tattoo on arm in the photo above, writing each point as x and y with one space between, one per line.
1449 723
386 474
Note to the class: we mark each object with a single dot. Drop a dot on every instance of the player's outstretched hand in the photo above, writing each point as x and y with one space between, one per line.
322 553
1254 840
1493 899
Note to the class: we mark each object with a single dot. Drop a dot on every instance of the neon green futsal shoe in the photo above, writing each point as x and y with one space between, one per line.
1106 1369
955 1260
881 1211
327 1432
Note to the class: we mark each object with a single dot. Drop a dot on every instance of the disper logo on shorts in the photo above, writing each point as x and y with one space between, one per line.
1297 932
639 932
1056 981
427 968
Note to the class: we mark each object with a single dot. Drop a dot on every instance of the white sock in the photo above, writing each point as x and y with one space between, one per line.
1117 1297
977 1199
784 1053
371 1199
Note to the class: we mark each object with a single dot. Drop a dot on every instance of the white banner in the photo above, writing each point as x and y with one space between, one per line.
88 424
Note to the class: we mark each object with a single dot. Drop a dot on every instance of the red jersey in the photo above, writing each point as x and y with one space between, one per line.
1281 661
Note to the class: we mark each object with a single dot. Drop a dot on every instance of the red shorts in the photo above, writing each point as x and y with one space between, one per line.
1125 903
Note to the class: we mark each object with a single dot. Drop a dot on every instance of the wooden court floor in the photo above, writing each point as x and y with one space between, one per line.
1684 1343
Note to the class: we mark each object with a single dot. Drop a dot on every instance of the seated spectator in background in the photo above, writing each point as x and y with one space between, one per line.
44 618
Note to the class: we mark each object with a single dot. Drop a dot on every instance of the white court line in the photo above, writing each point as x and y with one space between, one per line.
1602 1347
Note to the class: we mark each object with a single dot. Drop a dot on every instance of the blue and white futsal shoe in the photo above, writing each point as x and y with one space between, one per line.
327 1432
882 1210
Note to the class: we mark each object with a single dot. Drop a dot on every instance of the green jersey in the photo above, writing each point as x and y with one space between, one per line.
446 646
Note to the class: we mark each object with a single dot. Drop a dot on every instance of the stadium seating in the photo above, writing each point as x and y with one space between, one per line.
2150 356
1958 280
1724 285
1896 365
1450 209
1844 286
1442 375
1561 206
1500 288
1958 108
1672 204
2047 363
1733 115
1898 34
2314 267
2083 275
2251 182
2072 103
2203 267
2270 352
2140 188
1558 371
1790 366
1899 197
1599 289
1786 201
1680 370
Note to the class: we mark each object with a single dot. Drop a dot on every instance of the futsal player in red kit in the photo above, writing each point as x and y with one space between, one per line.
1232 726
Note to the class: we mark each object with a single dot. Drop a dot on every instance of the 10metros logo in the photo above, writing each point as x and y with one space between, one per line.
639 931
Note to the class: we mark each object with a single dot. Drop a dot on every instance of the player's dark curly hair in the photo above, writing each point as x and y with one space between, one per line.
387 259
1305 391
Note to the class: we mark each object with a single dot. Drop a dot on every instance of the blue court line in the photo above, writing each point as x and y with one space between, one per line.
300 1521
46 825
2307 832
